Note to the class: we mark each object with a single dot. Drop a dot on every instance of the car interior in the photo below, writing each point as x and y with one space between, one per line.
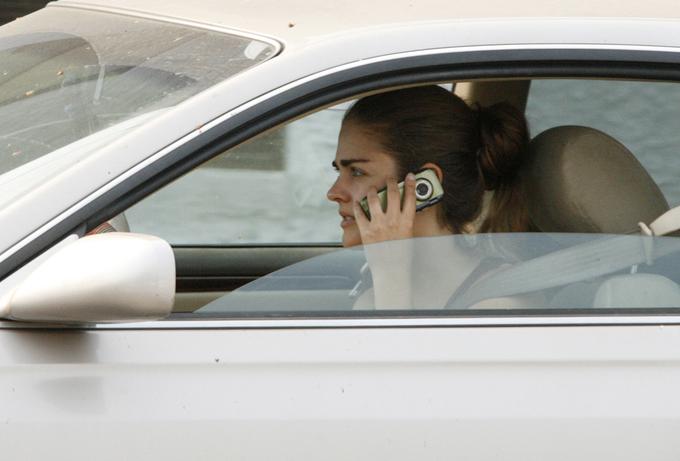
569 190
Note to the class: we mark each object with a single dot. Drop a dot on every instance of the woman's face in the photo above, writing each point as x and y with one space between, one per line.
361 163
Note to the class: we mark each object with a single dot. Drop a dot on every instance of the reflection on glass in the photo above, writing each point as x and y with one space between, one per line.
66 74
474 273
269 190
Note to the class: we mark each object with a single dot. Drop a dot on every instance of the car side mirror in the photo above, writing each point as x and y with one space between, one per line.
104 278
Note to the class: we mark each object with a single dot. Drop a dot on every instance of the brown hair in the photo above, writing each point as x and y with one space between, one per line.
477 149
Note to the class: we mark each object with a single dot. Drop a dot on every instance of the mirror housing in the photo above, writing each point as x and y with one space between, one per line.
103 278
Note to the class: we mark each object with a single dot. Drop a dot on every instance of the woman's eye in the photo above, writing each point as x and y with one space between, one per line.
356 172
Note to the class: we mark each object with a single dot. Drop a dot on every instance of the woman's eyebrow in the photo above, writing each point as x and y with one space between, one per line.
347 162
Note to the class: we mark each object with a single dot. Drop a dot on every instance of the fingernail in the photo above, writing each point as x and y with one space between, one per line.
411 177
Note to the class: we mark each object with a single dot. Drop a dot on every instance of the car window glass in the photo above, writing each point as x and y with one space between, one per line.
270 194
74 75
644 116
525 271
269 190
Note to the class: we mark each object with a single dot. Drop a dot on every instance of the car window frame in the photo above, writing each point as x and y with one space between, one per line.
283 104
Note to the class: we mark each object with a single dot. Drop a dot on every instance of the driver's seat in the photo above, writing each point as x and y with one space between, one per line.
581 180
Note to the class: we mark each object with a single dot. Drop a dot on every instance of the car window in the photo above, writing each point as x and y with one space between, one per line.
74 74
269 190
521 271
644 116
267 197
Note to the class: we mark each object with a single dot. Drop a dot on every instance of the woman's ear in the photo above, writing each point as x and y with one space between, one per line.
435 168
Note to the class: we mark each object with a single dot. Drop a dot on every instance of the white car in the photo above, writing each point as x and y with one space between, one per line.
218 322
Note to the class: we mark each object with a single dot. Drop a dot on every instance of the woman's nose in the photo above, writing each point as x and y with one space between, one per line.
337 193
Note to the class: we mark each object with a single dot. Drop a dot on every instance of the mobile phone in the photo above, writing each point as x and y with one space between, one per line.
428 192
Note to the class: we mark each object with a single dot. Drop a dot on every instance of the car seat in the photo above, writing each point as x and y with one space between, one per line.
581 180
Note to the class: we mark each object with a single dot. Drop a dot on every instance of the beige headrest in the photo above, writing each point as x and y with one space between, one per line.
579 179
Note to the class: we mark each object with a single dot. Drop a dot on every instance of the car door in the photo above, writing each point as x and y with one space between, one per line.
516 384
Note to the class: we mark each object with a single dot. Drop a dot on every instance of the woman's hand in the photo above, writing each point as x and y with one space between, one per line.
396 222
390 262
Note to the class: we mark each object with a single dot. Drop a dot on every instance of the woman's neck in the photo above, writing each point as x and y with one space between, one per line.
427 223
440 265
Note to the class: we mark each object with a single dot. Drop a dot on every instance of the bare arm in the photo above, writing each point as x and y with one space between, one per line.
390 264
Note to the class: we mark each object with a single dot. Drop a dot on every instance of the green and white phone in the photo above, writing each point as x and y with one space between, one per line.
428 192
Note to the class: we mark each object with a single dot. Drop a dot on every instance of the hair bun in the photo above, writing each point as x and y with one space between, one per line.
503 137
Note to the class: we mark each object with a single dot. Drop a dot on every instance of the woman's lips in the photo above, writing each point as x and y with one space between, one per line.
346 221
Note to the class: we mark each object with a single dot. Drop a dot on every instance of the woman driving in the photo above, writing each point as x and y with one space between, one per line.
387 137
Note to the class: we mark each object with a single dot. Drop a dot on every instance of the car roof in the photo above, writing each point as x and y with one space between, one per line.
295 22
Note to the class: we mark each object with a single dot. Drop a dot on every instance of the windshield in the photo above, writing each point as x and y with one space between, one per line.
67 73
473 273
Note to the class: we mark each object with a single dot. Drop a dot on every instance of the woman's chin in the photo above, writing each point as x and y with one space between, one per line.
351 237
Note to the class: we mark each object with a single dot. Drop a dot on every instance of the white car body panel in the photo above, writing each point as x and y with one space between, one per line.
294 23
525 393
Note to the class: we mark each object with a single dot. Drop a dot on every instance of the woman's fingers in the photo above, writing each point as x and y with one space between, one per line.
394 223
374 206
359 216
393 198
408 208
